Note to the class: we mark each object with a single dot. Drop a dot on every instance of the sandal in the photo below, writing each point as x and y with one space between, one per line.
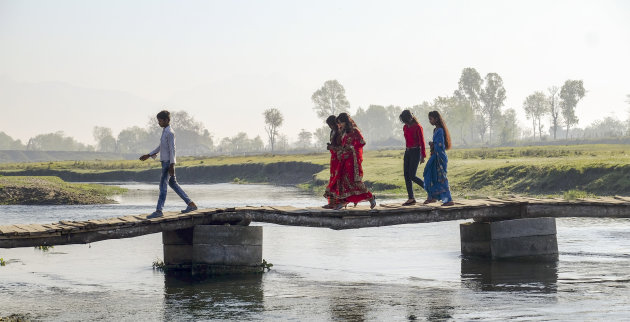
340 205
409 202
428 201
446 204
372 202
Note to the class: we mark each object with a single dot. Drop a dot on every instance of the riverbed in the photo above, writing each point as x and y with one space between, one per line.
397 273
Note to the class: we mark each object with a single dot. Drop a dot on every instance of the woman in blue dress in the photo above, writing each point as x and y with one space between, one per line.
435 181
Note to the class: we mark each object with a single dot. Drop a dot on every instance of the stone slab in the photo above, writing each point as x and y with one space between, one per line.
524 246
228 235
234 255
476 248
178 254
178 237
474 231
522 227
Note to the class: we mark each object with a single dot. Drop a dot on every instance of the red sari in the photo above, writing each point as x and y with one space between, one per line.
349 185
331 188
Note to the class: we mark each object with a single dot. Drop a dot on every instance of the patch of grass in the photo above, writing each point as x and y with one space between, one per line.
158 265
577 194
44 248
266 266
602 169
2 262
52 190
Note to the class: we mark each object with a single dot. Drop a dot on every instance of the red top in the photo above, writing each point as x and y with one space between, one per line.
414 137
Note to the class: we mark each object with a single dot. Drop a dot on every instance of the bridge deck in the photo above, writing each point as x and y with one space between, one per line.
81 232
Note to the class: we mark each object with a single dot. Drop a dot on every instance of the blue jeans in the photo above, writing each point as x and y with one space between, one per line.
171 182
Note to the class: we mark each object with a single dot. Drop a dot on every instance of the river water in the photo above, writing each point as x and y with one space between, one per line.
397 273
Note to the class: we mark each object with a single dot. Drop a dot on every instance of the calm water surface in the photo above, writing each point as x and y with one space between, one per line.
398 273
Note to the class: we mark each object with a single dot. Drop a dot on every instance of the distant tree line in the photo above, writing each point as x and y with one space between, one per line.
475 114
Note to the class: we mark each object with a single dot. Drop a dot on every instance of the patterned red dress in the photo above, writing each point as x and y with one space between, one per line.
331 188
349 186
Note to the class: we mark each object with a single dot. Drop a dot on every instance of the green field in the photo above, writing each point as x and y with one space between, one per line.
570 171
18 190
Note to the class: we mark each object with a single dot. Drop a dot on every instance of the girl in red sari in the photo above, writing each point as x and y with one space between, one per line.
349 186
333 146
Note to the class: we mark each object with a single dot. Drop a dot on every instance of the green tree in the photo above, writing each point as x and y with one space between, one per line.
570 94
304 139
135 140
8 143
330 99
322 136
469 89
273 120
492 96
554 108
191 135
535 106
460 116
56 142
375 123
508 126
105 141
608 127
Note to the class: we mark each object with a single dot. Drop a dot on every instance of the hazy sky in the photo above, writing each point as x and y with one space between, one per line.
225 62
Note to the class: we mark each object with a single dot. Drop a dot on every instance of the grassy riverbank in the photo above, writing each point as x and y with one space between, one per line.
570 171
19 190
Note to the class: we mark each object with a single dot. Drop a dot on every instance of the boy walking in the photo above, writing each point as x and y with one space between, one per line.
166 149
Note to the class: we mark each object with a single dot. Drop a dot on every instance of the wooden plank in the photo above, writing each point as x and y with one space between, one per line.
6 230
69 226
10 230
76 224
37 229
96 224
130 219
622 198
22 229
52 227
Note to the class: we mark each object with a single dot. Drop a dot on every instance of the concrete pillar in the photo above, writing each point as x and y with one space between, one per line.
178 249
214 249
227 249
510 238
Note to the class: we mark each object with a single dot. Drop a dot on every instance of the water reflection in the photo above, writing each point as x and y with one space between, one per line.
510 275
234 297
388 302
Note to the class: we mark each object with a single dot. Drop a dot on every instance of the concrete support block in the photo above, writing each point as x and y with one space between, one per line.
178 256
227 249
178 237
214 249
510 238
227 235
178 248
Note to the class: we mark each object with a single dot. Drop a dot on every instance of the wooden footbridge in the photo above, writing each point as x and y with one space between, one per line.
480 210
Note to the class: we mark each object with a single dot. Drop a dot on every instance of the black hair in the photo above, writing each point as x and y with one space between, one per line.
408 118
350 125
164 115
331 121
440 123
